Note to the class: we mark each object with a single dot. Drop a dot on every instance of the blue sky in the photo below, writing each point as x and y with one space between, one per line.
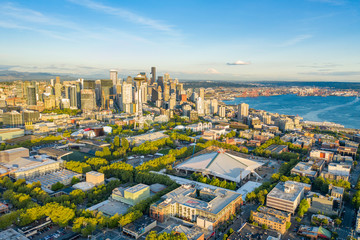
316 40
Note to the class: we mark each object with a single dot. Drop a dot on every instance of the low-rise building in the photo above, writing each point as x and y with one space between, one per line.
95 178
326 205
193 233
207 208
357 225
337 171
314 232
11 234
139 227
10 133
277 148
304 169
347 151
271 221
131 195
285 196
3 208
63 176
321 154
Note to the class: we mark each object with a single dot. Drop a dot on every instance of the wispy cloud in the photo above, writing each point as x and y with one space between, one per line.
16 17
296 40
127 15
320 65
212 71
332 2
239 62
338 73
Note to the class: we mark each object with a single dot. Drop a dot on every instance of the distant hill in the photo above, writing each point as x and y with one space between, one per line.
6 75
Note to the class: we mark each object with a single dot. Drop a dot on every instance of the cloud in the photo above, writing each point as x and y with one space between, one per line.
332 2
338 73
321 65
212 71
239 62
126 15
296 40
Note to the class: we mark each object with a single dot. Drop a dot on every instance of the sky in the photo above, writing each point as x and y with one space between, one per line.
257 40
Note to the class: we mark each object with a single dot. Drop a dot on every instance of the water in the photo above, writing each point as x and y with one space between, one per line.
342 110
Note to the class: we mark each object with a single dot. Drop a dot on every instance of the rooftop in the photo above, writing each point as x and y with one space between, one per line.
269 217
54 153
185 195
137 188
279 191
11 234
139 224
221 164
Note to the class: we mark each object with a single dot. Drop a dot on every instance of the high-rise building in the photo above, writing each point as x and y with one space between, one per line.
73 96
12 119
126 96
213 106
106 92
88 102
243 111
89 84
200 106
160 82
153 75
202 93
172 101
31 116
31 95
166 77
52 82
57 79
222 111
166 92
114 77
58 87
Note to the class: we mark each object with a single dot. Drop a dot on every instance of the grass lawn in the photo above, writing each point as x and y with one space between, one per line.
77 156
164 151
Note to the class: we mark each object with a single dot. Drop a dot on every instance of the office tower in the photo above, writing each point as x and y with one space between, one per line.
49 90
81 81
172 101
31 95
222 111
12 119
186 110
207 109
213 106
179 89
106 93
129 80
73 97
243 111
144 92
25 86
88 102
166 77
194 96
153 75
57 79
19 90
31 116
58 87
160 82
154 95
52 82
49 102
114 77
88 84
67 91
200 106
126 96
78 94
98 92
202 93
166 92
65 103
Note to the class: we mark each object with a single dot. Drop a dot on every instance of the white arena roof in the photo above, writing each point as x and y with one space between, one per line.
221 164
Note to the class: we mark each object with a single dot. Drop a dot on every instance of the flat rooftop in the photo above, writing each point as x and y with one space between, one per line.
185 195
54 152
94 173
304 167
269 217
279 192
139 224
136 188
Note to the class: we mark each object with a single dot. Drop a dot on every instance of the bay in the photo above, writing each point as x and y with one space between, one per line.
337 109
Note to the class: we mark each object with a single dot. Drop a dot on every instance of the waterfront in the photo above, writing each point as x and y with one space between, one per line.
342 110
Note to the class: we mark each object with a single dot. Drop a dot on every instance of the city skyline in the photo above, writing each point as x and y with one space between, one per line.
310 40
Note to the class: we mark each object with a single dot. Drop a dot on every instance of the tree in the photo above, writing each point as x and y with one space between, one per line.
77 196
57 186
264 226
116 141
303 207
74 180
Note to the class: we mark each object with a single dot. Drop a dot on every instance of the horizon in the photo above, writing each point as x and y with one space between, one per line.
309 40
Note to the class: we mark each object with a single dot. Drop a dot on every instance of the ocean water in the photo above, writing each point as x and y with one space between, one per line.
342 110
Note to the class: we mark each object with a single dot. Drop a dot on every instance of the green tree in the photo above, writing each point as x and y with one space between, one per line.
57 186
